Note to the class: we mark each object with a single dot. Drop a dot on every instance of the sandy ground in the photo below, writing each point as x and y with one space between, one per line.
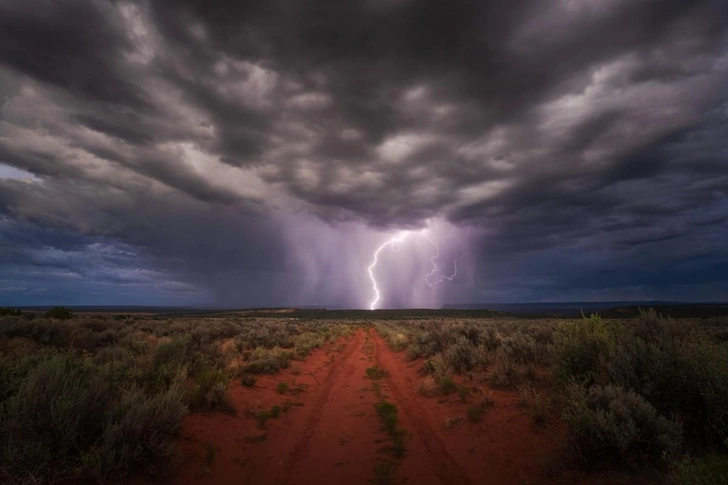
332 435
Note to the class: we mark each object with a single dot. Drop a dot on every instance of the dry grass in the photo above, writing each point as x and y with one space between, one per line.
428 387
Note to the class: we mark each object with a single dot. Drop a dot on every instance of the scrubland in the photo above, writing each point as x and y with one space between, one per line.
649 392
99 399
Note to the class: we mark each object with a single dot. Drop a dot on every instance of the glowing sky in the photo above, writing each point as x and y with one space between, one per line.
258 153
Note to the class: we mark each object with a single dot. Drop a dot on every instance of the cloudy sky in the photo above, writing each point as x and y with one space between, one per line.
258 153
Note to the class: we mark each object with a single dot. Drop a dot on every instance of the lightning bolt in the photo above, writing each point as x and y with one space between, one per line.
392 242
434 266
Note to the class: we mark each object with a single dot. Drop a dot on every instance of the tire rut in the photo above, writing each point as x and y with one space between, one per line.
446 469
300 450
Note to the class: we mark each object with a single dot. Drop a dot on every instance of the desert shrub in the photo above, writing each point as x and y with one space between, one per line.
398 341
17 347
505 372
537 404
58 410
437 366
376 372
453 422
435 338
425 345
414 351
267 336
10 312
99 325
428 387
463 355
282 387
9 380
59 313
248 380
139 434
262 417
525 350
388 414
91 340
476 411
66 419
678 372
447 386
117 365
580 346
275 411
610 423
43 332
112 354
209 391
134 344
169 357
489 340
306 342
542 333
268 361
486 400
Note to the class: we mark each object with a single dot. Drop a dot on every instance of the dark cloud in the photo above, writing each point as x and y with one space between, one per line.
252 151
74 46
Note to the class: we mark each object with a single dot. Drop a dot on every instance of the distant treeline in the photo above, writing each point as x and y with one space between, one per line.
57 312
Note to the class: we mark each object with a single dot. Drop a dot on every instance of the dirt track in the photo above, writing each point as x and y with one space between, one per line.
333 435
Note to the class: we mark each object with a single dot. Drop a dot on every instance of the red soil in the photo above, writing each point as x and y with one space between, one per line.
334 436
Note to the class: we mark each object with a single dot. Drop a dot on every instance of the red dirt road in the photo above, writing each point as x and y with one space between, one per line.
332 434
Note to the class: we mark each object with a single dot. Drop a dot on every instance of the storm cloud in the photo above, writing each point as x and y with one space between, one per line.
257 153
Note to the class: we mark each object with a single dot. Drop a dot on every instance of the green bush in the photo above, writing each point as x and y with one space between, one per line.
58 411
275 411
43 332
306 342
59 313
262 417
613 424
139 434
505 373
388 414
447 386
679 372
525 350
66 419
537 404
169 357
676 369
10 312
580 347
210 391
463 355
376 372
248 380
117 366
268 361
475 412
